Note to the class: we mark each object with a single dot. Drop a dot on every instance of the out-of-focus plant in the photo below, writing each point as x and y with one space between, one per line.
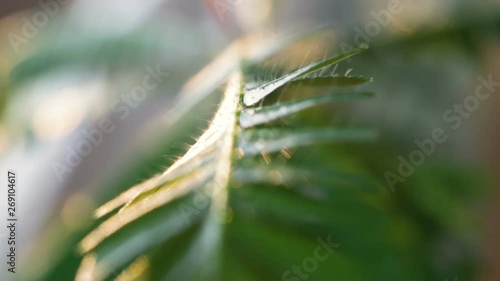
263 184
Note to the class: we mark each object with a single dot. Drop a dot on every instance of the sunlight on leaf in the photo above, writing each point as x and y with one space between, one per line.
328 81
257 141
253 96
255 116
217 140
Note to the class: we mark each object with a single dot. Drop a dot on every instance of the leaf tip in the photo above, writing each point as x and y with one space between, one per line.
249 99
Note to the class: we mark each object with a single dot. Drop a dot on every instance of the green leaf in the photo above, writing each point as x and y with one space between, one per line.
134 239
256 116
253 96
328 81
193 201
257 141
215 145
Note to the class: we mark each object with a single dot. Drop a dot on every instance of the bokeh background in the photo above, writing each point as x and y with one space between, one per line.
66 65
